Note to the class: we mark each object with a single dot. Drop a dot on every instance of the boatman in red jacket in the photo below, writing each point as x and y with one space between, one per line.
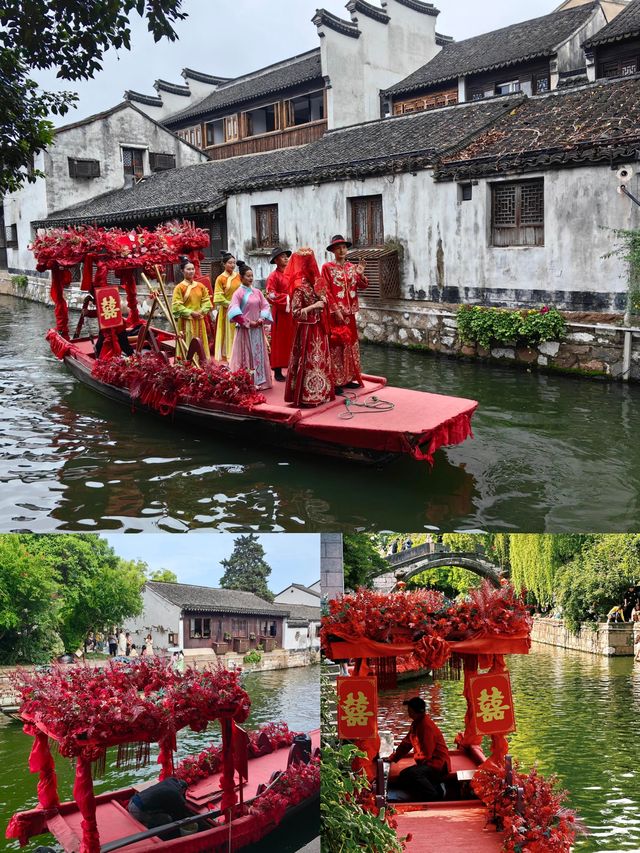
278 295
424 780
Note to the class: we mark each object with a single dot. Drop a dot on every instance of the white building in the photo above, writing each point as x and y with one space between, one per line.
296 593
104 152
301 627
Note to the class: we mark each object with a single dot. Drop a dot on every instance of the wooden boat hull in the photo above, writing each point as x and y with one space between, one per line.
416 424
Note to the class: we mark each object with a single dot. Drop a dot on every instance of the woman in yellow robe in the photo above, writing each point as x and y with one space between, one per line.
226 285
191 302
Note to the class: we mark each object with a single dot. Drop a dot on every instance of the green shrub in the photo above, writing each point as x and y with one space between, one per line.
20 281
253 656
488 326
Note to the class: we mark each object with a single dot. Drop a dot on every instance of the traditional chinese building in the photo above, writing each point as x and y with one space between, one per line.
302 626
614 51
297 593
199 618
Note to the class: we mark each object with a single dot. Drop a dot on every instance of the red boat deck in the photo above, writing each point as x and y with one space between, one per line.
460 760
418 422
451 827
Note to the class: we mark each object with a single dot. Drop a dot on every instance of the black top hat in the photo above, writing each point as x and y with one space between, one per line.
336 240
416 704
277 252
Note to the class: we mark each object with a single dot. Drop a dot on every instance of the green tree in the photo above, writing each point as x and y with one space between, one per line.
450 580
165 575
362 559
29 605
246 568
597 578
71 36
536 558
97 588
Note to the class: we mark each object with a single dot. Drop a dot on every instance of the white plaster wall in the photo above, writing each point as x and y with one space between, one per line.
199 89
156 113
172 103
21 208
581 210
99 140
302 638
383 54
159 618
292 595
571 55
316 587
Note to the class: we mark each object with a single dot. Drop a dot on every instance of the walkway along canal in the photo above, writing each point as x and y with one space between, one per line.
71 460
577 717
291 695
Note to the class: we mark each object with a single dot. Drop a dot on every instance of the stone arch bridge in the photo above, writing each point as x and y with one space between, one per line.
405 564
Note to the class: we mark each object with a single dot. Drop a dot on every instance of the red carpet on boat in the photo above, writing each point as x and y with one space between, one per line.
449 828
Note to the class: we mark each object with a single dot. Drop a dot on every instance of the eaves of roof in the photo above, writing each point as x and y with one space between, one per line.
373 12
323 18
150 100
173 88
55 219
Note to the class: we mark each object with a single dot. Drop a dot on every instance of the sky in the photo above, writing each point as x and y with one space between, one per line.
293 557
233 37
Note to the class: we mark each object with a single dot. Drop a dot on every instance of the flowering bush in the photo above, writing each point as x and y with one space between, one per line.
161 386
87 709
488 326
269 737
296 784
541 824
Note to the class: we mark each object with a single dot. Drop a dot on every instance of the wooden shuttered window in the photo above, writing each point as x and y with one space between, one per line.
83 168
366 220
161 162
11 237
267 235
517 213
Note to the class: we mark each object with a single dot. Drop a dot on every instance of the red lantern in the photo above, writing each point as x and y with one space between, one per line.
109 309
357 708
492 703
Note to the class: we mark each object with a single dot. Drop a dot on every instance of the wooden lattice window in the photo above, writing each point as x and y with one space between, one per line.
11 236
366 220
133 161
239 628
162 162
83 168
266 226
517 213
540 83
231 128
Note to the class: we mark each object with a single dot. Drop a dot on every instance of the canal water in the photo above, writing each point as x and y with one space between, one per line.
70 460
292 695
577 717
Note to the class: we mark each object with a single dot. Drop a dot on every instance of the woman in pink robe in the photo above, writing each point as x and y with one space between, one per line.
249 310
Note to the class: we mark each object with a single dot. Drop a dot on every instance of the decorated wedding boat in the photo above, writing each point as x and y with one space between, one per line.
489 805
374 424
238 791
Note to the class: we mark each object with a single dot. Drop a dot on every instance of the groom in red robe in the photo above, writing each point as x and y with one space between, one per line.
278 293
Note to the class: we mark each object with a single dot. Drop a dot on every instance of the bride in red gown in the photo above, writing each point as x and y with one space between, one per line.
309 377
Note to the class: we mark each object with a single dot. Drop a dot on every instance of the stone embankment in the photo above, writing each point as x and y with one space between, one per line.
617 639
591 348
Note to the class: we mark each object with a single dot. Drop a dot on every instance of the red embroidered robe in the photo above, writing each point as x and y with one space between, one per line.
342 284
278 294
309 377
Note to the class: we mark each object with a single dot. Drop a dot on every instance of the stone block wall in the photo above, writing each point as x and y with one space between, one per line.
588 349
331 565
603 639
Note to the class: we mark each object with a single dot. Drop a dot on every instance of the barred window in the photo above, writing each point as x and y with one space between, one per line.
366 220
517 213
266 219
133 161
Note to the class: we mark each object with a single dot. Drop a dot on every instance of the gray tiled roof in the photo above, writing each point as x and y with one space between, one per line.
599 122
517 43
205 598
300 612
284 75
401 143
626 24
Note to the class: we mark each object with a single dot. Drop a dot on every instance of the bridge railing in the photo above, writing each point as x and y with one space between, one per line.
424 550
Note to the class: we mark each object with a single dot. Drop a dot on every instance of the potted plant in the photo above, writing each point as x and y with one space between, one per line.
226 637
219 648
252 637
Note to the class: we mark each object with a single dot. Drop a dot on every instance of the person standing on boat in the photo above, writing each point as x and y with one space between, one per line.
161 804
249 310
342 281
309 377
191 303
424 780
278 292
226 285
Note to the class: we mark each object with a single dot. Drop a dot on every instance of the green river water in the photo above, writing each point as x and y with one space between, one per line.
577 717
550 453
292 695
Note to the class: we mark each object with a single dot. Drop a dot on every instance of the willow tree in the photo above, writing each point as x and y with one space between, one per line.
535 559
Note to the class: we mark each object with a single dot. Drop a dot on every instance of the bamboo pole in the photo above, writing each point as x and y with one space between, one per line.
161 299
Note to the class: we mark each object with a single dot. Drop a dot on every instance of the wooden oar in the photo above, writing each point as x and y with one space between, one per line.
161 298
185 821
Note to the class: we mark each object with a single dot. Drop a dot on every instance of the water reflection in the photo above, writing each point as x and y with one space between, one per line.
577 717
71 460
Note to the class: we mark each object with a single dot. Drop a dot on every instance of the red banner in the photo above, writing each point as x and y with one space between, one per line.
357 708
492 703
109 309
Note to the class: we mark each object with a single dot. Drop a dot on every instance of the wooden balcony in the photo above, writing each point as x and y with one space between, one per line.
288 138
